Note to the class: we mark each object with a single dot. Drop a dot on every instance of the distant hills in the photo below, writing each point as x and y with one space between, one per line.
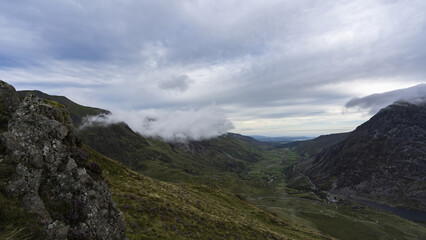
279 139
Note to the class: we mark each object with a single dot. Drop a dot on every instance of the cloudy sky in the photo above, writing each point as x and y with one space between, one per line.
270 67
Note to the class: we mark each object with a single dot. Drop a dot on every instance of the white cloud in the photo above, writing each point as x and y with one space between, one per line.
373 103
173 126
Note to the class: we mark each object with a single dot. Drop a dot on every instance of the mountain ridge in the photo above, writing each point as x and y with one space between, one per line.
313 146
77 111
384 159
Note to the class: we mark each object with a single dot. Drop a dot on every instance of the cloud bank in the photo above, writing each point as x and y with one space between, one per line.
276 67
373 103
177 126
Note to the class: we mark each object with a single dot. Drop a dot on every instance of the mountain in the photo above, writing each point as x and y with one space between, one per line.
77 111
383 160
313 146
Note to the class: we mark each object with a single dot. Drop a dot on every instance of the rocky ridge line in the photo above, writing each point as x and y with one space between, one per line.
383 160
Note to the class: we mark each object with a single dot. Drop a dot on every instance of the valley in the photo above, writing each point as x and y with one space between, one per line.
267 175
269 180
299 201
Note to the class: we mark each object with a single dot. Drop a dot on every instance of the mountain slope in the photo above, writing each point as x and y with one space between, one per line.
384 159
198 161
77 111
314 146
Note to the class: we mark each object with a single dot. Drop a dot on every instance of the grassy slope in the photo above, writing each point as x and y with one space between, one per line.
223 161
159 210
342 220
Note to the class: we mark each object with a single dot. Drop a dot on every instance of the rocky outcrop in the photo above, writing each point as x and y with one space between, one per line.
9 102
54 177
383 160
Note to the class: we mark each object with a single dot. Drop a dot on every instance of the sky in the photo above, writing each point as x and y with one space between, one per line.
195 69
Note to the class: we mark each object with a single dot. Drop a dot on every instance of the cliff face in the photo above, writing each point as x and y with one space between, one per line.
384 159
53 176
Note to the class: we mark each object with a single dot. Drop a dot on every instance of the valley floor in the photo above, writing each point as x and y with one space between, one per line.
297 200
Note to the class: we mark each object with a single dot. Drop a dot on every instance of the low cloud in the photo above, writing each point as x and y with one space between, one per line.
179 83
177 126
375 102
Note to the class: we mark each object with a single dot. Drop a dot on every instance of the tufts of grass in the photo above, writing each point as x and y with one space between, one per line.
16 222
15 234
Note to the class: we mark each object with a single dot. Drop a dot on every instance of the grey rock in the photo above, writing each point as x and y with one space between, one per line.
9 102
49 180
57 231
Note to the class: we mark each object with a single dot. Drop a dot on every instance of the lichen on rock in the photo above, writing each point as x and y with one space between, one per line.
51 176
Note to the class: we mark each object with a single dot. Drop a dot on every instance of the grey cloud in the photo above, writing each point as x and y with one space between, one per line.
179 83
375 102
243 54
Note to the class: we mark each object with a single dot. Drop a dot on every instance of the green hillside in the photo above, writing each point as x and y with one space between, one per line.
159 210
223 161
